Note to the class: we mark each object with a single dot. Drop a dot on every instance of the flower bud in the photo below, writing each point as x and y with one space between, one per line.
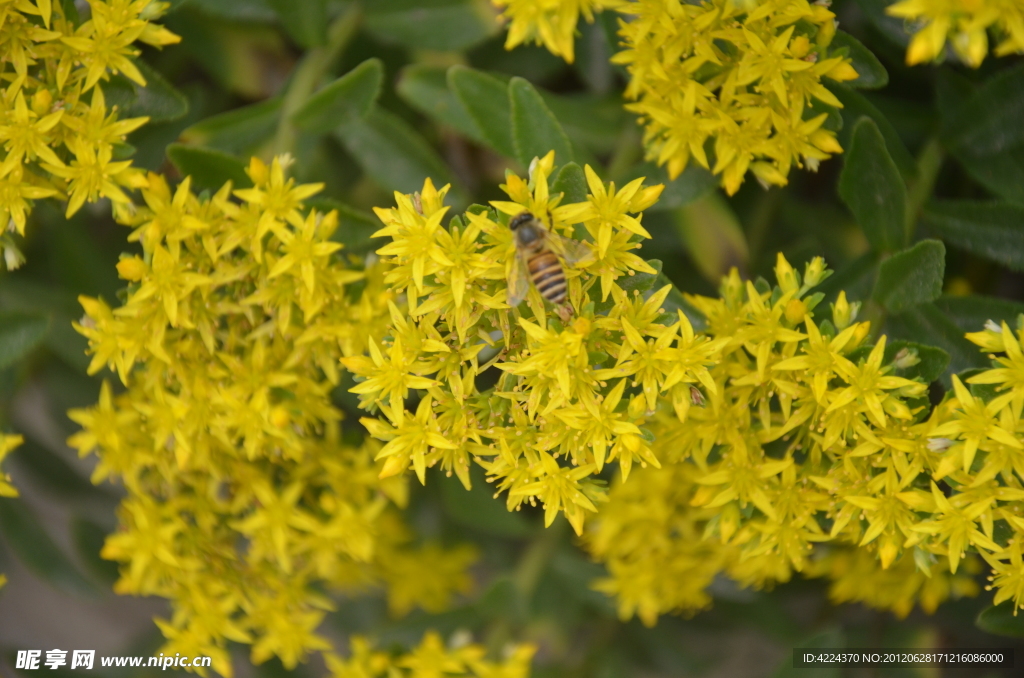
795 311
844 313
814 272
131 268
789 279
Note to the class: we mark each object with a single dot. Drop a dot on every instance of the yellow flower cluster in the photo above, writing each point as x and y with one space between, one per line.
58 136
965 25
551 23
8 442
245 499
541 403
430 660
746 76
817 453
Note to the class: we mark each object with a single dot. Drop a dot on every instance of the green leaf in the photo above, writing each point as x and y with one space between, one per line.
20 332
871 72
926 324
571 182
208 168
346 99
871 186
305 20
36 550
535 130
931 360
713 236
240 130
1001 620
393 154
693 183
159 99
443 25
911 277
856 106
989 229
425 88
891 27
1002 173
88 538
990 121
478 509
972 312
485 98
589 121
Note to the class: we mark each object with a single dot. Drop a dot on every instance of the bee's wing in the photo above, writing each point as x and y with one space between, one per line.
518 281
572 251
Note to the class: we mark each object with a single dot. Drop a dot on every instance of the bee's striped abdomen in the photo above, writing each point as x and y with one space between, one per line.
548 276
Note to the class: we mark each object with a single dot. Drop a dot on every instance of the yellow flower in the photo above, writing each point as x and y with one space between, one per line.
964 24
8 442
549 22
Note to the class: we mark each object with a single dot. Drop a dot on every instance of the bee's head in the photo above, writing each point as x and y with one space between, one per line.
520 219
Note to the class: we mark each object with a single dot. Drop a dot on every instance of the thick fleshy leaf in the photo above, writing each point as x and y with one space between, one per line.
425 88
571 182
1002 620
37 551
305 20
535 130
992 230
929 362
240 130
394 154
970 313
20 332
911 277
871 73
857 106
159 100
208 168
447 25
926 324
349 97
485 98
871 186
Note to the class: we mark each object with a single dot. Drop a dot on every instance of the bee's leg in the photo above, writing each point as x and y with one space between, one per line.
564 312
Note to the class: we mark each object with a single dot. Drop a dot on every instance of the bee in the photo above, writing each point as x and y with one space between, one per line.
537 254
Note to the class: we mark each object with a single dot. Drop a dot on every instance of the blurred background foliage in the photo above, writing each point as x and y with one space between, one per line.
371 97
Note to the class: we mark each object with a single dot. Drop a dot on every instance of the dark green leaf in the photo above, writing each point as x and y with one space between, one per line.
479 509
393 153
589 121
88 538
856 106
305 20
27 538
159 99
871 73
990 121
425 88
1001 620
208 168
486 100
873 189
1002 173
926 324
54 474
535 130
693 183
20 332
911 277
989 229
890 26
571 183
21 294
931 361
448 25
972 312
346 99
240 130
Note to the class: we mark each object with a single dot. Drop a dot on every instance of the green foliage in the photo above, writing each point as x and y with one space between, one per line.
922 217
